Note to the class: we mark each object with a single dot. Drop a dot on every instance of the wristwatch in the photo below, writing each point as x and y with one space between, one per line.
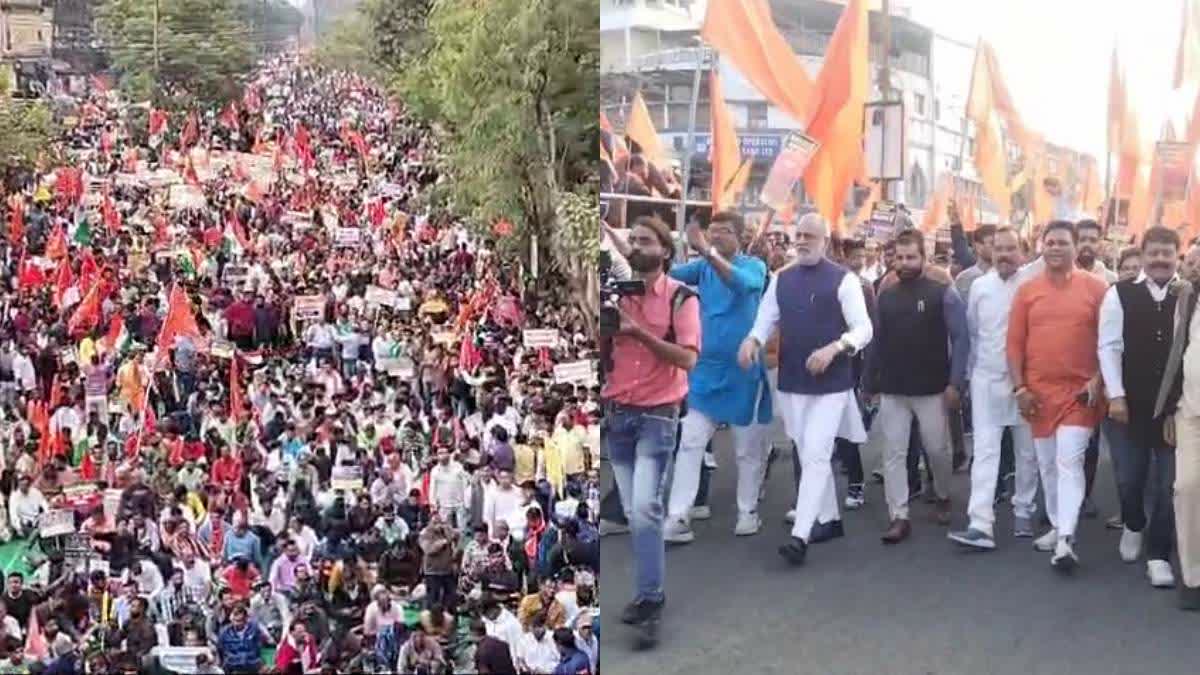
712 251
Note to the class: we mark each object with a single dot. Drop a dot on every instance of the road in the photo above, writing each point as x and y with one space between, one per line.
922 607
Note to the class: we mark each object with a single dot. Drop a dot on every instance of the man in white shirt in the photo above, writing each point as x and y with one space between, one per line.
448 488
536 652
501 623
1137 324
994 405
25 506
197 575
503 501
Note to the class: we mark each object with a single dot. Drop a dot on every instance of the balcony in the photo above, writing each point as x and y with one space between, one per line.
685 58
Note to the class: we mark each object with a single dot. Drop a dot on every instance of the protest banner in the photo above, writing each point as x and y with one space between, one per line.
540 337
348 478
308 307
576 372
798 150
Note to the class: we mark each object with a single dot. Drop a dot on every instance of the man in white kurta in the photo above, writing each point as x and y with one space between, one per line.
994 407
822 317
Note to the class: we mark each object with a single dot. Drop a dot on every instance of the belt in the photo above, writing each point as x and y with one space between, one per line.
662 410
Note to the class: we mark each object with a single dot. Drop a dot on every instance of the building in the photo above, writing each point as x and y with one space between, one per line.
653 46
26 29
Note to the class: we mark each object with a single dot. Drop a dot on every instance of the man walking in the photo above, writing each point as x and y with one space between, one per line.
916 374
730 286
822 319
993 406
1136 328
654 348
1055 376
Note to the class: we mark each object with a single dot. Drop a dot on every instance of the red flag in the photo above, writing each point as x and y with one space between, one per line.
302 138
179 320
377 213
87 314
35 642
229 116
131 161
115 327
502 228
239 232
251 100
468 354
29 275
212 236
158 122
191 132
260 146
161 237
189 172
109 214
240 172
16 220
237 407
107 139
57 246
63 280
89 271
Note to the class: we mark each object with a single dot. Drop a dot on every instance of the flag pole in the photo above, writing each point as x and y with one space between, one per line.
689 147
962 141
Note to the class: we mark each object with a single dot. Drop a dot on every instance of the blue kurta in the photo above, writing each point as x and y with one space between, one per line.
717 386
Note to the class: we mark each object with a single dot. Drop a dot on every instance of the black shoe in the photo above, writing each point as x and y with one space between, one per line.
1189 598
826 531
646 634
794 551
641 611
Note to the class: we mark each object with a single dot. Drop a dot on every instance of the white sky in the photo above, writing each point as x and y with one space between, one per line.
1055 57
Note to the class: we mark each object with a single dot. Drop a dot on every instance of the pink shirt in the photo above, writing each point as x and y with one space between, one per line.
639 377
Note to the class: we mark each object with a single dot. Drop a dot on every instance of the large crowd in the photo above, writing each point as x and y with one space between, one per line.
261 410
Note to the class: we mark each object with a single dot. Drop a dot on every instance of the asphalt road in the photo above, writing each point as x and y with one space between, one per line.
922 607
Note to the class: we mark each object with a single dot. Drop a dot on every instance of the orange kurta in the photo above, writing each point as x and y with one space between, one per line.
1054 328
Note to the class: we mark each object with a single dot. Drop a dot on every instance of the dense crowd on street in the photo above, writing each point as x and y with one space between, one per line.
1017 355
261 410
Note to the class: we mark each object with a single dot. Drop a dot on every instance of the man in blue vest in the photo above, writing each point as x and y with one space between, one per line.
917 375
730 284
819 309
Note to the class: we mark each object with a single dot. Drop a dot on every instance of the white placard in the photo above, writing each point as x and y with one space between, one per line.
348 478
380 296
56 523
308 307
403 304
402 368
575 372
540 337
112 502
221 349
347 236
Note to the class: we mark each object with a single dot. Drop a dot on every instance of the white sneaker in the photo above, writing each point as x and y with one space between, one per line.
700 513
1046 542
1160 574
747 524
1064 559
1131 545
677 531
790 516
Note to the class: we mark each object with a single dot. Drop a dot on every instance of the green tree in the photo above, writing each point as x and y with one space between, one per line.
346 45
273 23
203 49
27 132
513 83
378 37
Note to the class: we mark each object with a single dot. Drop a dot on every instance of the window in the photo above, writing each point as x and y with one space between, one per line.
756 115
919 104
937 110
916 185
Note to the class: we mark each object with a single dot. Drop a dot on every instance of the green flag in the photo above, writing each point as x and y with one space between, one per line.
83 233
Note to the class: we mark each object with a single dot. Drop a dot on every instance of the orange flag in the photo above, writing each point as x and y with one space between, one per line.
1116 101
839 161
87 314
936 207
724 154
57 246
864 211
640 128
1091 195
16 220
744 32
1187 58
179 320
990 159
847 52
237 407
63 280
1141 201
35 641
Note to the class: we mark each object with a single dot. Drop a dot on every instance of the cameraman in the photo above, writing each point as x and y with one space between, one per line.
642 398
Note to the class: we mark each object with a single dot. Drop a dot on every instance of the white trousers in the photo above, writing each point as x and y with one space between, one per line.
985 471
750 448
895 425
812 422
1060 460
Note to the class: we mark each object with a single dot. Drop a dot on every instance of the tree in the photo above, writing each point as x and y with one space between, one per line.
347 45
203 48
27 132
273 22
513 83
379 37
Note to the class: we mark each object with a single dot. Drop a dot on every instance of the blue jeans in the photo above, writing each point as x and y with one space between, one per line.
1131 464
639 443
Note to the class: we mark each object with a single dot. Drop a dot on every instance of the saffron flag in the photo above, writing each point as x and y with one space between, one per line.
87 314
990 158
640 129
179 320
16 220
1187 58
237 406
845 58
56 247
724 155
744 32
157 124
63 280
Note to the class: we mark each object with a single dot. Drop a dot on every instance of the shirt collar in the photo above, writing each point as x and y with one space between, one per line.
1143 278
659 287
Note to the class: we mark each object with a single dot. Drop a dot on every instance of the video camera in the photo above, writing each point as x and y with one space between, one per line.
611 291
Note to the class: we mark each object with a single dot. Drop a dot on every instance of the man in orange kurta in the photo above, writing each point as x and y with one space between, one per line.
1052 337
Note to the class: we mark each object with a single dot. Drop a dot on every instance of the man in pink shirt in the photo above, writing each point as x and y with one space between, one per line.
654 347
